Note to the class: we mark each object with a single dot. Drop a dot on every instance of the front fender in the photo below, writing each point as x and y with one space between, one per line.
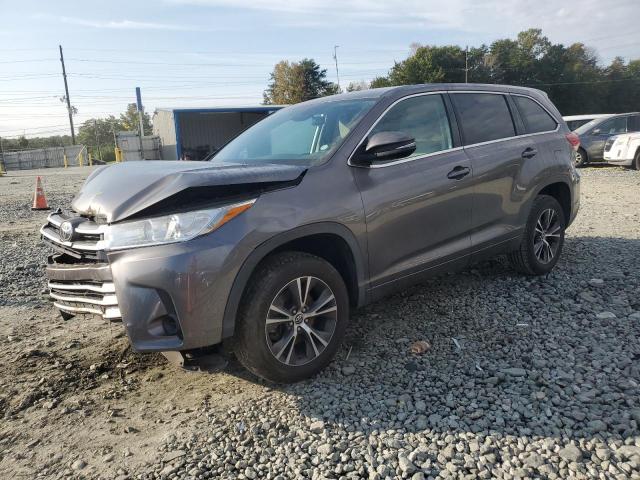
261 252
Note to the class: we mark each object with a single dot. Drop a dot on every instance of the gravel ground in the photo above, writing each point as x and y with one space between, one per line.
521 377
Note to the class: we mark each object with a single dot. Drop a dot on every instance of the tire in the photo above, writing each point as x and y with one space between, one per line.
295 344
636 160
581 158
532 257
66 315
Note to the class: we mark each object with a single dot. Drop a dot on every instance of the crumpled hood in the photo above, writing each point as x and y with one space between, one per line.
118 191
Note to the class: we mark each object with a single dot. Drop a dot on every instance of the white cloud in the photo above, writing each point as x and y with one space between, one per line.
124 24
605 27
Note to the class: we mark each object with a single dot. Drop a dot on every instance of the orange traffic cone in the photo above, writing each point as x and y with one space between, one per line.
39 200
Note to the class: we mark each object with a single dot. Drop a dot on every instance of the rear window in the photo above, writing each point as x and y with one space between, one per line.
483 117
535 118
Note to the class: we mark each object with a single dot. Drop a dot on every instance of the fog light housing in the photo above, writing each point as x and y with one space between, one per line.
170 326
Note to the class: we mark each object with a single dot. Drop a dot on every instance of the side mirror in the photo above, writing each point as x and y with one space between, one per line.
596 131
384 147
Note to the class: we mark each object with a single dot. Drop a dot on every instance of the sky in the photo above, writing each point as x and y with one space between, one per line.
197 53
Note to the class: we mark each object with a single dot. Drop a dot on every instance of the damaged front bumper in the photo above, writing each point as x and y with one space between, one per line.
169 297
80 280
83 288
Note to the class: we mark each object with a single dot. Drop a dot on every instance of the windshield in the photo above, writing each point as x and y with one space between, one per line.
303 134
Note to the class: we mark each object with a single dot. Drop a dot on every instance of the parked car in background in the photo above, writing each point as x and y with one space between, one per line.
575 121
593 135
323 206
623 150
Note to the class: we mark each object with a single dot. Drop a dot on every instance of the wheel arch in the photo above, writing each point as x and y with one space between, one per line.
561 191
332 241
585 152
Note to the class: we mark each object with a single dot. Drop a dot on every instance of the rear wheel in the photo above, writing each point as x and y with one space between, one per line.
293 317
543 238
580 158
636 160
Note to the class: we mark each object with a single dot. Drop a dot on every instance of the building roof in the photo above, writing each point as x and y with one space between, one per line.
254 108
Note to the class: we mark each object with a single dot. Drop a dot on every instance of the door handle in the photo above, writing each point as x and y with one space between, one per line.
529 152
458 173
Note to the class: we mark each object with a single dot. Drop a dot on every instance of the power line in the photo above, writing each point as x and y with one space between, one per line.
591 82
45 127
29 60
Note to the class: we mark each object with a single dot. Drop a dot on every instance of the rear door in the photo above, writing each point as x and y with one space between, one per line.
418 209
497 157
539 123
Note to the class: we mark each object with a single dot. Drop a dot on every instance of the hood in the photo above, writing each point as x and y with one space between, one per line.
628 136
119 191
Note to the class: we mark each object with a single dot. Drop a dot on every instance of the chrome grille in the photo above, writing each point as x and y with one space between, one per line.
88 241
86 297
80 279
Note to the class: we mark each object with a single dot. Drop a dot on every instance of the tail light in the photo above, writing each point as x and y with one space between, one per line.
573 139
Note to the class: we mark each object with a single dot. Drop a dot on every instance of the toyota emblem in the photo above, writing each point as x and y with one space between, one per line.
66 231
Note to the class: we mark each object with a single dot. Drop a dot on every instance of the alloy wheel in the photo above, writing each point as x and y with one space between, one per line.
578 158
301 321
546 239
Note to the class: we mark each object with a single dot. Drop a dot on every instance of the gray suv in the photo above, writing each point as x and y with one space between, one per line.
322 207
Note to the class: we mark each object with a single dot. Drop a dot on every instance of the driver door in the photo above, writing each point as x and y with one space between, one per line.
418 209
601 133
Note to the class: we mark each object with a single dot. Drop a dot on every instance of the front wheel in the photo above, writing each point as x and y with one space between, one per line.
293 317
543 238
636 160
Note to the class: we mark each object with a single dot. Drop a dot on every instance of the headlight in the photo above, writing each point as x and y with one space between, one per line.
178 227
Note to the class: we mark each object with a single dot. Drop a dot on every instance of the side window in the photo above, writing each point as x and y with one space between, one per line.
483 117
612 126
633 125
536 119
424 118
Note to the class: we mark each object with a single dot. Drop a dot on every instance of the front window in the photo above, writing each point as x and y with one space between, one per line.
605 126
424 118
303 134
612 126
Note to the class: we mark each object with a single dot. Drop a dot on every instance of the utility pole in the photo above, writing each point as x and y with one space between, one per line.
3 167
335 57
466 64
140 122
66 93
95 131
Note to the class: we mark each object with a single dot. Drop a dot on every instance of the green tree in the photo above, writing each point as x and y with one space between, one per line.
570 75
380 82
357 86
99 131
432 64
294 82
129 120
97 134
